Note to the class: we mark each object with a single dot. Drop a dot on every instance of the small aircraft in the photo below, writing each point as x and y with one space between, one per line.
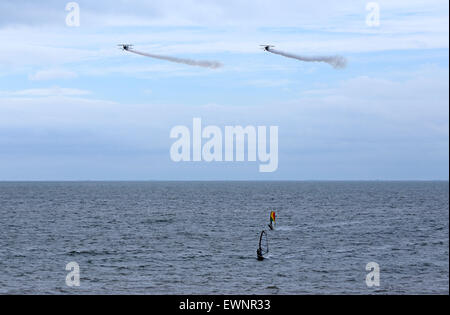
266 47
125 46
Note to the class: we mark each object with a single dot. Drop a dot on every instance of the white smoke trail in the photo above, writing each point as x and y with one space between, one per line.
337 62
199 63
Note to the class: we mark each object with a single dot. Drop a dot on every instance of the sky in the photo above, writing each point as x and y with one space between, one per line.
75 107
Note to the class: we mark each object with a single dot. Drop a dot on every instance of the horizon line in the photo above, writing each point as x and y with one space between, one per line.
218 180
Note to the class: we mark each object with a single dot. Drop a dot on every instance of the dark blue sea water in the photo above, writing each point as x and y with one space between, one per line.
201 237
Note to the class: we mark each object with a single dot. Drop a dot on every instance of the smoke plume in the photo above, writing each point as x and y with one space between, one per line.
338 62
199 63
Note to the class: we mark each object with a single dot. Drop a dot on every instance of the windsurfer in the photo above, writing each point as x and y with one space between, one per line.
272 220
259 254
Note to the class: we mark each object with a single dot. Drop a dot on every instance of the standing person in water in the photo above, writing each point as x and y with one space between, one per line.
259 254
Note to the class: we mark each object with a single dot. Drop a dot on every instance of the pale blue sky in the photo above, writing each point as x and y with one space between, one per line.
74 107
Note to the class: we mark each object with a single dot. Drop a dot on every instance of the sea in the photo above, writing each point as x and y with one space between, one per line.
368 237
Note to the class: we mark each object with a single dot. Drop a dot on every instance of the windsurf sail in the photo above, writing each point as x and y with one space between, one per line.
263 243
272 217
272 220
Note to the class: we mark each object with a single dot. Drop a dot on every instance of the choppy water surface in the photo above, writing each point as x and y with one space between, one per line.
201 237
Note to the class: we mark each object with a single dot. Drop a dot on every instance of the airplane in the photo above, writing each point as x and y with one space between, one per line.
125 46
266 47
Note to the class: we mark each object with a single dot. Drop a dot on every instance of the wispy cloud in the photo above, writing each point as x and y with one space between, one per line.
268 83
52 74
53 91
321 15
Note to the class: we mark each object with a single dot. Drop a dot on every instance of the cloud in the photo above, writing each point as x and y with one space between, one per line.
370 110
364 127
324 14
40 42
52 74
416 103
268 83
86 52
53 91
